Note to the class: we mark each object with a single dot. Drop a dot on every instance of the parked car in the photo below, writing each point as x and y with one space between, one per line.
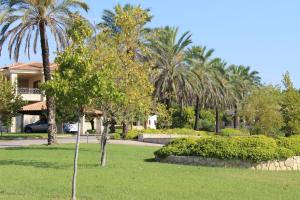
40 126
71 127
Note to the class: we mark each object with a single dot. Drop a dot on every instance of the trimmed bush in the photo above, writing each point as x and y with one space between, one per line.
252 148
292 143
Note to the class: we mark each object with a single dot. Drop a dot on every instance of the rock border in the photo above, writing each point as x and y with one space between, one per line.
289 164
161 138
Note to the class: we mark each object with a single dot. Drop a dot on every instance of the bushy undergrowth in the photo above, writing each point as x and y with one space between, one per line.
253 148
234 132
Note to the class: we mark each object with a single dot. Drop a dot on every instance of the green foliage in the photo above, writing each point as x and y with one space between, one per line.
119 44
234 132
290 107
184 118
10 102
164 119
132 134
262 111
78 83
253 148
291 143
206 125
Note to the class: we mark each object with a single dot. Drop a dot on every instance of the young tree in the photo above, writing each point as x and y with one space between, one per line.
290 107
126 53
24 20
75 83
262 111
10 102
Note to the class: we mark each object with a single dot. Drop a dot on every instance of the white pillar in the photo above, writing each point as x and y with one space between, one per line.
14 80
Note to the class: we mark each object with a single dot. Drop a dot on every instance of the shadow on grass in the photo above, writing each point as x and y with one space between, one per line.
46 165
46 148
150 160
33 163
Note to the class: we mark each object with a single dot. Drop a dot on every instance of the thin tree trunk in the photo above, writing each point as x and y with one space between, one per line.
235 117
124 130
50 102
80 113
104 142
217 121
197 114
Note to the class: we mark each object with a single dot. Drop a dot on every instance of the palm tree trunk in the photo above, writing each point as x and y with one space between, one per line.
197 114
47 75
80 121
217 121
235 117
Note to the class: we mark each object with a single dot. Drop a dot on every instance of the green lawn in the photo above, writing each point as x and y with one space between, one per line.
42 172
15 136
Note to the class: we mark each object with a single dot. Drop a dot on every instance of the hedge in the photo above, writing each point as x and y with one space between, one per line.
253 148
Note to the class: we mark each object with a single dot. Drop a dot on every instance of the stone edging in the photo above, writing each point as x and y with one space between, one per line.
161 138
292 163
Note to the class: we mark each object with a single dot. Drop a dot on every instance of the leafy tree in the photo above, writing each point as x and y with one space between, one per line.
262 111
10 102
164 119
77 83
184 118
290 107
124 50
24 20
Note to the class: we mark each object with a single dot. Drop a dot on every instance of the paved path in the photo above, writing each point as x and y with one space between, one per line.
91 139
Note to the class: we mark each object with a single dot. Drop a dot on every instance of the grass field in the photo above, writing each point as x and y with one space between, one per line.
42 172
15 136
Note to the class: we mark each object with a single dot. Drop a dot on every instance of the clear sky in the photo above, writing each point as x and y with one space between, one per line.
263 34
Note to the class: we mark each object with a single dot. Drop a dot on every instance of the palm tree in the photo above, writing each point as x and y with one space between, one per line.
199 58
242 81
109 18
24 20
173 81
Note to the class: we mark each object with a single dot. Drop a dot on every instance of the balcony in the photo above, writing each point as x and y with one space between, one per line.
29 91
30 94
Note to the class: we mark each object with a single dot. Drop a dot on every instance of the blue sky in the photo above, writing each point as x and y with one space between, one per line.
263 34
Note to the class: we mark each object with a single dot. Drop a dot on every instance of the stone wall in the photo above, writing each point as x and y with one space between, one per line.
276 165
160 138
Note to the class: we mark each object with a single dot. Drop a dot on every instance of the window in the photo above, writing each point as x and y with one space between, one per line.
36 84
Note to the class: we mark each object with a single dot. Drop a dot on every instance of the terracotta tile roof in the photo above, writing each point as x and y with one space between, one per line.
30 66
39 106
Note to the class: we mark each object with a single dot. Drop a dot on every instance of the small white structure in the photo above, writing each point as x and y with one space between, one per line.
152 122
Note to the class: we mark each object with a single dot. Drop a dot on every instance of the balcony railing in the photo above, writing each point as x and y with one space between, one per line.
29 91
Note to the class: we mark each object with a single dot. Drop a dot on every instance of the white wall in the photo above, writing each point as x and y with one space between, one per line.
152 120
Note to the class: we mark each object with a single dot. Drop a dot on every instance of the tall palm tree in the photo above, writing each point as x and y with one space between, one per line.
24 20
173 81
201 63
242 81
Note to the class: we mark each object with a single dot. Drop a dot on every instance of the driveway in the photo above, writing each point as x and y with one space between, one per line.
83 140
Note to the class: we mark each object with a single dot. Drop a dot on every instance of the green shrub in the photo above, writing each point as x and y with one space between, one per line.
253 148
132 134
116 136
292 143
233 132
206 125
